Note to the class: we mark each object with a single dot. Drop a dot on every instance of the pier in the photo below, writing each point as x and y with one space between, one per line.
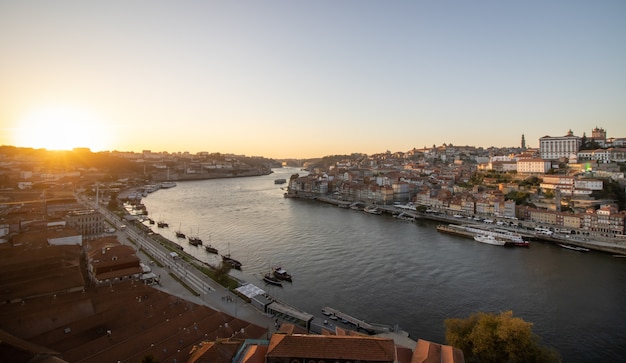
359 324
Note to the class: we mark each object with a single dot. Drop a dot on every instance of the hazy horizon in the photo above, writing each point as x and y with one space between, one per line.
286 79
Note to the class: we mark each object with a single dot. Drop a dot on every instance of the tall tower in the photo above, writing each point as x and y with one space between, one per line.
523 142
598 134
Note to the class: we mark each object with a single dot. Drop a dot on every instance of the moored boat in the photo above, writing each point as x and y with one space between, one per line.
210 249
271 279
281 274
167 184
573 248
194 241
510 238
231 261
179 234
489 239
372 210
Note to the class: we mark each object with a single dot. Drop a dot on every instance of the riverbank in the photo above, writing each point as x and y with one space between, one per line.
267 307
596 243
212 174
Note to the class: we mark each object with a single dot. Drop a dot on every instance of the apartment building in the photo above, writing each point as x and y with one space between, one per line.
605 221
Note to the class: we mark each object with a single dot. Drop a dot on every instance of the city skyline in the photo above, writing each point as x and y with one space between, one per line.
303 80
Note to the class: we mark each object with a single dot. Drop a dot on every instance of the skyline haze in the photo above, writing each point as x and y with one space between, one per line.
306 79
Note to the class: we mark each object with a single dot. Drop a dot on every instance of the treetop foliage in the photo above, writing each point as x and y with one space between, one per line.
488 337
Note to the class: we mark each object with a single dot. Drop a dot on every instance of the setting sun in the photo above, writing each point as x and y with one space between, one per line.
62 128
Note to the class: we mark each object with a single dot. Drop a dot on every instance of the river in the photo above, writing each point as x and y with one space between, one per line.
384 270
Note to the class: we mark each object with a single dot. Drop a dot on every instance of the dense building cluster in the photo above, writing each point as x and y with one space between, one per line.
564 187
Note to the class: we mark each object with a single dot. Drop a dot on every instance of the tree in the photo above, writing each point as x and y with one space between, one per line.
221 272
488 337
519 197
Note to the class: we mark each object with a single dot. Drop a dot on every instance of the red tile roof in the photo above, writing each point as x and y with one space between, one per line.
332 347
428 352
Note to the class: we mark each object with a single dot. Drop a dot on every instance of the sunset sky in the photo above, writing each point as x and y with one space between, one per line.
308 78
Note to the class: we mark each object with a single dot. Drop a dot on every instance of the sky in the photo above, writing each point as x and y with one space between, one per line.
305 79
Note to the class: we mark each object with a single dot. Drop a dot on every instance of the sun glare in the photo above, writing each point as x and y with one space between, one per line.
62 128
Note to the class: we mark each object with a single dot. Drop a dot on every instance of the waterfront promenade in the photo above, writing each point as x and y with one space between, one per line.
199 288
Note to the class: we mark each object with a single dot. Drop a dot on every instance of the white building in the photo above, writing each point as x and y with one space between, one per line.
554 148
603 155
570 186
533 166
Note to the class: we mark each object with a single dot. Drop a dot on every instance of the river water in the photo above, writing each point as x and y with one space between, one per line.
384 270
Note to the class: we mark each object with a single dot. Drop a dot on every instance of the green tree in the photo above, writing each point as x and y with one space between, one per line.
488 337
518 196
221 272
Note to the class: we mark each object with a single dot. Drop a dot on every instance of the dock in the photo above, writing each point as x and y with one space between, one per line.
359 324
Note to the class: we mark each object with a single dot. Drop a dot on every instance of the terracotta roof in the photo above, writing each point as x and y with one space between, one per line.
428 352
25 273
332 347
119 273
142 320
23 351
291 329
404 354
220 351
255 354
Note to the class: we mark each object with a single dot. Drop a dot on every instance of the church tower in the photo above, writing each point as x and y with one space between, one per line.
523 142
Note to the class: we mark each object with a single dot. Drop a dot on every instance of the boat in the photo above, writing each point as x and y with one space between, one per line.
573 248
210 249
489 239
168 184
281 274
231 261
271 279
510 238
179 234
194 240
280 181
405 217
162 224
372 210
356 206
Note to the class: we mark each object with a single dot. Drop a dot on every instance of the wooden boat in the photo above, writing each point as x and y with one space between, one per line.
231 261
210 249
179 234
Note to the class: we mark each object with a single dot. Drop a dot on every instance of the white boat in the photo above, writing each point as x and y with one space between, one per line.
574 248
373 210
511 238
168 184
489 239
